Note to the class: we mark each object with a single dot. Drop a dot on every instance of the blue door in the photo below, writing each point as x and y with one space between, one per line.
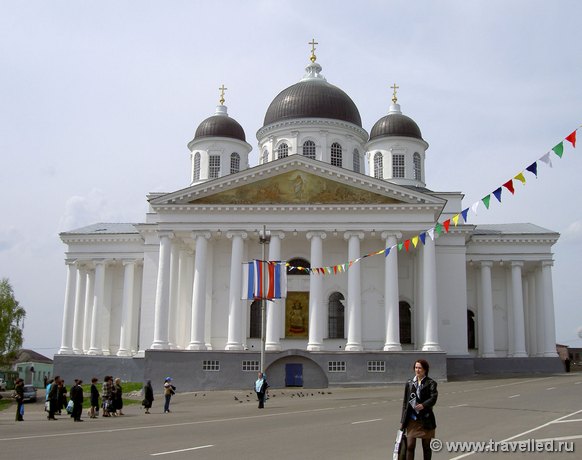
294 375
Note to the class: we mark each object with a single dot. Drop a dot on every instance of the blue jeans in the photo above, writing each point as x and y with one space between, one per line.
167 404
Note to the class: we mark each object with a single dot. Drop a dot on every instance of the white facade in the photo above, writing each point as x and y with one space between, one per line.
174 281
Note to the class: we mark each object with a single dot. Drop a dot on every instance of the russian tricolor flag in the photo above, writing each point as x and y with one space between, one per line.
264 280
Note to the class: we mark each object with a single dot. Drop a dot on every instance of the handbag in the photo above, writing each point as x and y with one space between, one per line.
47 406
399 452
70 406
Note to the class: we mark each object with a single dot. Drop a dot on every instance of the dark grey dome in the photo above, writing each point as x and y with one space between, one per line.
395 124
220 126
313 99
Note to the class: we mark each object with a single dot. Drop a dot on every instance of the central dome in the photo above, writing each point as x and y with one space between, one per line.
313 98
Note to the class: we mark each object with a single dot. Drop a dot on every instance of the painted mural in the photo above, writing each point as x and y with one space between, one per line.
297 315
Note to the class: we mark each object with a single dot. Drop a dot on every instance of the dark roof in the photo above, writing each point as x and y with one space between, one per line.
26 356
395 124
220 126
313 99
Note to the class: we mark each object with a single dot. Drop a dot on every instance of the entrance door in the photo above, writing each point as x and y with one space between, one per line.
293 375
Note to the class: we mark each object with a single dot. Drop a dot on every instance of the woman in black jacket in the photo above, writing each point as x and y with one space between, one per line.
420 395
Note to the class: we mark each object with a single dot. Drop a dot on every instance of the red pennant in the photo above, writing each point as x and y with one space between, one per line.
407 244
509 186
572 138
447 224
335 269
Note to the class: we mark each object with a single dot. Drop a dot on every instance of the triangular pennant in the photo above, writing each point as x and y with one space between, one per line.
400 246
474 207
351 262
386 252
456 219
486 201
572 138
335 270
546 159
407 245
497 194
520 177
437 229
559 149
430 232
533 168
447 224
422 237
509 186
465 212
415 240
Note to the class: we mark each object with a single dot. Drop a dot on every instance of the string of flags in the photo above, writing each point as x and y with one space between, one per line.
440 227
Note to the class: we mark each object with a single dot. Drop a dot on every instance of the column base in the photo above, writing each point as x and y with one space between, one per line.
521 354
353 347
550 354
106 353
160 346
123 353
77 352
314 347
488 355
392 347
196 346
272 347
94 352
234 346
65 351
431 346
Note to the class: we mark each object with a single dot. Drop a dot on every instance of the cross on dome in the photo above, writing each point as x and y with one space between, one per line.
394 88
313 57
222 89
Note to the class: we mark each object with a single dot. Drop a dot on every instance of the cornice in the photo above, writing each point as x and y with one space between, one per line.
507 239
317 123
90 238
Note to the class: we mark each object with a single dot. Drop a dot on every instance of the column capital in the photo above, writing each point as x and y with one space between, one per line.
168 233
202 234
321 234
137 261
232 233
349 234
486 263
70 261
516 263
547 263
278 234
388 233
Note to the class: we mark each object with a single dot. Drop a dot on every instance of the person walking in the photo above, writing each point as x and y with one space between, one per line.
53 397
94 397
148 396
118 397
62 397
107 396
261 386
420 395
77 398
169 391
19 397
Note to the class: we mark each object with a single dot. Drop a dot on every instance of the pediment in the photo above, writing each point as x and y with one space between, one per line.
295 181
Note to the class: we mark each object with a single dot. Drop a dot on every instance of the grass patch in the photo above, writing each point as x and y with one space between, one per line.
5 403
127 387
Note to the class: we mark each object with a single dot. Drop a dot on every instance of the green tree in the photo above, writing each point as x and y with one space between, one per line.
11 322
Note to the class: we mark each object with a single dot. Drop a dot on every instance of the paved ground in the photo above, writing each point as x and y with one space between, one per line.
354 423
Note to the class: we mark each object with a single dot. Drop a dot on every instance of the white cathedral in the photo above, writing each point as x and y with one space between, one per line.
170 288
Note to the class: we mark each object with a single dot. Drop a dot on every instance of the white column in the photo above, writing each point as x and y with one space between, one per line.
391 295
174 294
89 295
488 350
161 309
126 308
68 313
540 314
531 307
107 308
430 306
550 322
275 308
209 296
185 283
136 311
235 310
316 310
354 342
197 341
97 313
79 320
518 315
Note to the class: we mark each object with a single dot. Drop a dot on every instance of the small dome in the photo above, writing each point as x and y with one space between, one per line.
313 97
395 124
220 126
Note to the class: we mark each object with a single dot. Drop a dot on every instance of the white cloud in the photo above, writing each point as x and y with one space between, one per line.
85 210
573 233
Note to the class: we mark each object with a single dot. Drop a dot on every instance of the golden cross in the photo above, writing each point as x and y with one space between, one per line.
394 98
222 90
313 43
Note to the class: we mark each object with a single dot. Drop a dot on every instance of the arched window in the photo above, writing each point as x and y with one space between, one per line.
282 151
336 154
336 316
470 330
298 262
234 162
255 323
214 166
378 165
197 166
397 165
265 156
309 149
356 160
405 322
416 162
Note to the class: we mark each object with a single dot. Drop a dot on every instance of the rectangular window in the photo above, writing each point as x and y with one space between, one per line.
211 365
397 165
250 366
213 166
376 366
336 366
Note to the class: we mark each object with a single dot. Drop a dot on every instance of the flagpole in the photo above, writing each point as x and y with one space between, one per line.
264 239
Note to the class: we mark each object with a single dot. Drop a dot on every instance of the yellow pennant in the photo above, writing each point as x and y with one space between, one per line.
415 240
456 219
520 177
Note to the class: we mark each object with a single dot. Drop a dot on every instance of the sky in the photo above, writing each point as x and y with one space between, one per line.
98 100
